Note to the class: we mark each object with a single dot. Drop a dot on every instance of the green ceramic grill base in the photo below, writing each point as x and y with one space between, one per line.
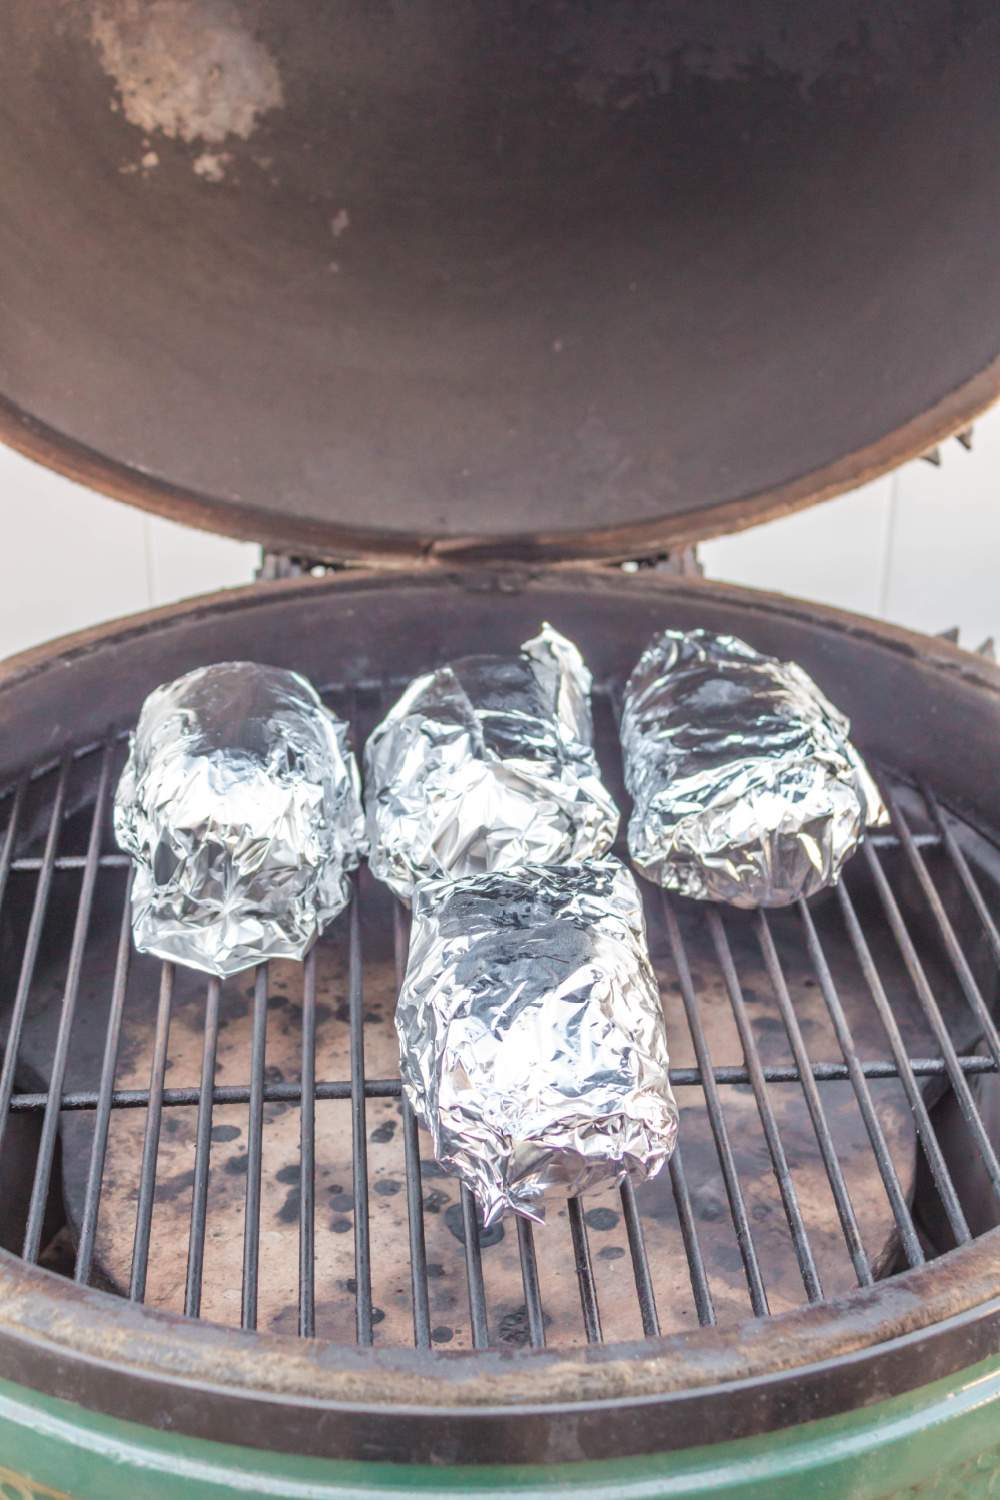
941 1442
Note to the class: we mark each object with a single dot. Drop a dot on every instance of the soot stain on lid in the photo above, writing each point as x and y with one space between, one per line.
192 70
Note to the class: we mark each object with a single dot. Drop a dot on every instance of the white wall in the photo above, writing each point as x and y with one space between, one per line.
920 547
69 557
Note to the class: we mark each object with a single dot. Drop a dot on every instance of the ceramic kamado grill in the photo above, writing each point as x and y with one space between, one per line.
460 307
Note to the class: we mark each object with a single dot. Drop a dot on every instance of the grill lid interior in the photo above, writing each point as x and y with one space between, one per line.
471 279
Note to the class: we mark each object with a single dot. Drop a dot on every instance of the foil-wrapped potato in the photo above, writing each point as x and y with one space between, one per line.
745 785
488 764
531 1033
240 804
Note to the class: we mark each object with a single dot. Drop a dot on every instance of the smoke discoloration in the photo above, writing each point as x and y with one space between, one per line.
191 69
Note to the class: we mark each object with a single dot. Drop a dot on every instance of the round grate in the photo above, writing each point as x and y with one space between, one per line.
240 1152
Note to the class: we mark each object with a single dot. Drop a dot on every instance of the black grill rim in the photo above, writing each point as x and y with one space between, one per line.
128 1361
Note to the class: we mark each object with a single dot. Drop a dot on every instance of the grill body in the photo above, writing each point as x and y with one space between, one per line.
939 1444
878 1385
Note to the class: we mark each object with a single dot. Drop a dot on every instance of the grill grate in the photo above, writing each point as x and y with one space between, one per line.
816 1161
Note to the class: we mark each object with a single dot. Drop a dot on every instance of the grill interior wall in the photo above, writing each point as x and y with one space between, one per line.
817 1150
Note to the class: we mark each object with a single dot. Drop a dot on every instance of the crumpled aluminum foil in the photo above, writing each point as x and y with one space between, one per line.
240 804
745 785
487 764
531 1033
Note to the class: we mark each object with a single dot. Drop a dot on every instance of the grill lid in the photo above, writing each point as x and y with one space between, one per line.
488 279
239 1152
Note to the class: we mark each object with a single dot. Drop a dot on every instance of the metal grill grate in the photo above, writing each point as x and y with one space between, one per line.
833 1069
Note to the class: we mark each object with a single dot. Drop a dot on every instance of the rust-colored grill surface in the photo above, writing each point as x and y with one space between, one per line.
241 1152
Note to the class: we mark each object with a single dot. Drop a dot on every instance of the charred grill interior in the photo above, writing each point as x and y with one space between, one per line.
241 1152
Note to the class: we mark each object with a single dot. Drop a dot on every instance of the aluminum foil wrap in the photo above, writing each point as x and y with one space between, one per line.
745 785
531 1033
488 764
240 804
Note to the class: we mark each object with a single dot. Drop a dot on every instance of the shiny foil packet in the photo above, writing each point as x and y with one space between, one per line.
745 785
488 764
531 1033
240 804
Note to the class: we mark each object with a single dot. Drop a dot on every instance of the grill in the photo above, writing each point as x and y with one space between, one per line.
463 306
190 1143
220 1217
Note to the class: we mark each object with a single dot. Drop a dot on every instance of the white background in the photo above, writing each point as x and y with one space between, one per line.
920 547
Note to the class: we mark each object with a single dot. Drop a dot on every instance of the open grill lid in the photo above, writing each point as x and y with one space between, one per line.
462 279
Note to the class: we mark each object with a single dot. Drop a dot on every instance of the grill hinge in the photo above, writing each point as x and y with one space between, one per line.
681 563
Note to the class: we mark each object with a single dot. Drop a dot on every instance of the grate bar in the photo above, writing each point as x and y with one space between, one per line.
772 1134
151 1139
700 1289
640 1261
7 860
717 1120
828 1151
419 1290
529 1280
907 1072
255 1151
202 1153
953 947
67 1015
883 838
31 863
391 1088
584 1272
474 1271
103 1098
307 1154
38 895
887 1169
36 922
966 876
931 1010
359 1139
